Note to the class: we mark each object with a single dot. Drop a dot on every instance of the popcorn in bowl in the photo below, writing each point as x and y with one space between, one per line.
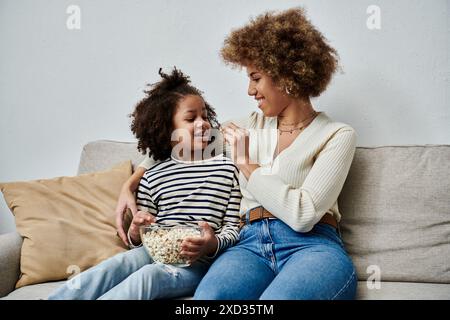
163 243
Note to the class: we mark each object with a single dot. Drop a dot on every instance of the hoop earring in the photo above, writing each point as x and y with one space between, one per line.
288 91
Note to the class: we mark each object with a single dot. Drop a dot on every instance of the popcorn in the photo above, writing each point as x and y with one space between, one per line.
164 243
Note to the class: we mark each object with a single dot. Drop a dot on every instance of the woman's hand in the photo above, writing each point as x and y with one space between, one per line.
239 141
195 247
141 218
127 201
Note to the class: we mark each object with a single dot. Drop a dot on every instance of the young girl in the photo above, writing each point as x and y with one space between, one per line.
184 186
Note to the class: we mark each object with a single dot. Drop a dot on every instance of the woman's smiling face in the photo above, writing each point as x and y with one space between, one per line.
271 99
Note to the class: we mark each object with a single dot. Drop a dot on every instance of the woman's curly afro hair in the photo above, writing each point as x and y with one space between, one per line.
288 48
152 117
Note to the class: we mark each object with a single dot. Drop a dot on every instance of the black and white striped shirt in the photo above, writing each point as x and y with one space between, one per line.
181 192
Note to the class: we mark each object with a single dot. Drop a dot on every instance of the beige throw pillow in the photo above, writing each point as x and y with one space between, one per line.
67 223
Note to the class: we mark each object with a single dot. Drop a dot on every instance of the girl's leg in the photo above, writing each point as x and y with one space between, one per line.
314 273
236 274
158 281
97 280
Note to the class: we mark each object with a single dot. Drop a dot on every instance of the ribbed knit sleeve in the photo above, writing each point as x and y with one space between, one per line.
301 208
147 162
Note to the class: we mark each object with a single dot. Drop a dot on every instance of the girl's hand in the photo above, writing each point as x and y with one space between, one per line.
141 218
195 247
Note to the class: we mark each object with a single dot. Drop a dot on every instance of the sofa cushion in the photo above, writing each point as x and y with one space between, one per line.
387 291
103 154
395 207
403 291
10 243
34 292
68 223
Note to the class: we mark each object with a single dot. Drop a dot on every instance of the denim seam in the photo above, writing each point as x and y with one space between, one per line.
263 236
345 286
259 226
274 257
260 245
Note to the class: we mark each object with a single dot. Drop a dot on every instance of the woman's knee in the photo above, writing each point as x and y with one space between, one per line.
208 288
211 289
213 285
236 283
209 293
348 290
327 274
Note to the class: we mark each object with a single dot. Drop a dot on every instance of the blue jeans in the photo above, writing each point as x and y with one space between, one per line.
272 261
132 275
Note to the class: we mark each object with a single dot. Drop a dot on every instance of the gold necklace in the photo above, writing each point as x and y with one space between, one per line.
304 124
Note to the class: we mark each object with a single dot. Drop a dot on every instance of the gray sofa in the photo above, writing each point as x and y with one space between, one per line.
396 221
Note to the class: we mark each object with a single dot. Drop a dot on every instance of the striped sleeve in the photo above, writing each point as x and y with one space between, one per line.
229 232
144 199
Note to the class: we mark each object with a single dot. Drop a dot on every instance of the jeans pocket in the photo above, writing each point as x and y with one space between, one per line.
242 232
329 232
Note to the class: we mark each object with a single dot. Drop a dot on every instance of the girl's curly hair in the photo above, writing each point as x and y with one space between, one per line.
152 117
288 48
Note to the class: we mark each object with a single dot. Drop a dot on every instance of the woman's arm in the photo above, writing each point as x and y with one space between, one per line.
127 198
127 201
301 208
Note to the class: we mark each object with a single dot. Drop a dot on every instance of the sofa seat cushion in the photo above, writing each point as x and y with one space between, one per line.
42 290
387 291
34 292
404 291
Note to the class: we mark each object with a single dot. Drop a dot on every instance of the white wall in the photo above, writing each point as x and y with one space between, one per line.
61 88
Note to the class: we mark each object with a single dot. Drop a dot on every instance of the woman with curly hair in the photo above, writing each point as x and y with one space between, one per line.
293 162
186 186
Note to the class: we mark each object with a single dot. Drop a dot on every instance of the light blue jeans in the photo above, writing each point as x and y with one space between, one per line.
132 275
272 261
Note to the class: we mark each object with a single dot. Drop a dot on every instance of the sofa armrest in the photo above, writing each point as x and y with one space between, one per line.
10 247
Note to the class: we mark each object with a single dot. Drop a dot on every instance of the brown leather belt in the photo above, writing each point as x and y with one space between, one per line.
260 213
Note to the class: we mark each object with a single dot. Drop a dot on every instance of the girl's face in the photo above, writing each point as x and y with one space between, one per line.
271 100
190 124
